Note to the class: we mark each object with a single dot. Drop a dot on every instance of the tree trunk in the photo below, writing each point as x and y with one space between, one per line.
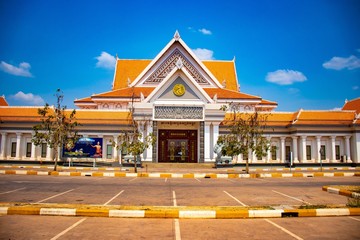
56 158
135 163
247 166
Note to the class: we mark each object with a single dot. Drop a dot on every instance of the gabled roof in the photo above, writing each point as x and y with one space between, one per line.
3 101
127 70
229 94
352 105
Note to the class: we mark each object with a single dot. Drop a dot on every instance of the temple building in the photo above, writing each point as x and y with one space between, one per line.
178 98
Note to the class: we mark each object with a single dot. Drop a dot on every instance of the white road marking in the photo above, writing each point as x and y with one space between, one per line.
132 179
283 229
197 179
174 199
55 196
237 200
297 199
231 180
12 191
114 197
68 229
177 229
354 218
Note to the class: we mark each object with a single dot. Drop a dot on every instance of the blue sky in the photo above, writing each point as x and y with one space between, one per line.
301 54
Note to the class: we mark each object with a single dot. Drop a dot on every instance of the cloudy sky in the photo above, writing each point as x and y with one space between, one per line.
301 54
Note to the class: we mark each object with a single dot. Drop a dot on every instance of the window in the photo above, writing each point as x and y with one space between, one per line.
273 152
308 152
13 149
323 152
337 152
43 150
28 149
109 151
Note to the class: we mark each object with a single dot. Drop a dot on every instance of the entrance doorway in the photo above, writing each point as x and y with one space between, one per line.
178 146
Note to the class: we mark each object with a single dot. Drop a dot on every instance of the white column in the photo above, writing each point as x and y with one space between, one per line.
48 153
268 155
149 150
114 150
3 146
33 151
333 150
215 132
207 141
347 148
282 149
303 148
295 151
18 146
318 147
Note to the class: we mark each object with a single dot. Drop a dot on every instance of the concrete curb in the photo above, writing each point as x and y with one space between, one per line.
180 175
341 192
173 212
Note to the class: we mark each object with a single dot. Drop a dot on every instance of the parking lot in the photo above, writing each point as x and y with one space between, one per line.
166 192
276 192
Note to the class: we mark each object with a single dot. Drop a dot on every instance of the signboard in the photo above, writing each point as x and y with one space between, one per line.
85 148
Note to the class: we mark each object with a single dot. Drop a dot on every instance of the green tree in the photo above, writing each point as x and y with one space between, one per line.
246 133
132 140
57 128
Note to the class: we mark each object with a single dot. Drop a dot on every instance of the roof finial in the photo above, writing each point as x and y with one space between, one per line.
177 35
224 83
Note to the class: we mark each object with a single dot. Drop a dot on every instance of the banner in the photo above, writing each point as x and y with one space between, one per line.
85 148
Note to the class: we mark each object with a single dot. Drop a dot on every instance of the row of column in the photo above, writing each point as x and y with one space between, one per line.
211 132
303 144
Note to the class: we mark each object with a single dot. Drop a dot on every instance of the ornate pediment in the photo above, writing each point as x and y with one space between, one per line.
170 63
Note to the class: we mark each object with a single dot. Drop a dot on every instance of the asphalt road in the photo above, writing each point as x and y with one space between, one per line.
49 227
170 192
166 192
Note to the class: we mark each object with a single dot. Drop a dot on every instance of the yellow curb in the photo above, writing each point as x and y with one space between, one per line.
339 174
97 174
318 174
233 175
92 212
298 175
143 175
10 172
75 174
211 175
165 175
162 213
276 175
232 214
54 173
19 210
304 212
354 211
31 172
188 175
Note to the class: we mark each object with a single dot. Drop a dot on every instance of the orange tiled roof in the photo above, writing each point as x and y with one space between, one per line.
228 94
127 69
131 69
3 102
324 117
224 70
84 100
352 105
126 92
280 119
102 117
19 114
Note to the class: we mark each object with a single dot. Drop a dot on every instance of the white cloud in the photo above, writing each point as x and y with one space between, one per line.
336 109
339 63
205 31
355 87
285 77
204 54
28 98
105 60
22 70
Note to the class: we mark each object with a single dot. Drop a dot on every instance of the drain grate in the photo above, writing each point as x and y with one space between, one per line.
289 214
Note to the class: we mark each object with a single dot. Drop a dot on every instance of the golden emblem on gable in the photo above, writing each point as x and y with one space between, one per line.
179 90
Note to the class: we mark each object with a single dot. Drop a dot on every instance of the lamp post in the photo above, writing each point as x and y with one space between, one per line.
321 151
